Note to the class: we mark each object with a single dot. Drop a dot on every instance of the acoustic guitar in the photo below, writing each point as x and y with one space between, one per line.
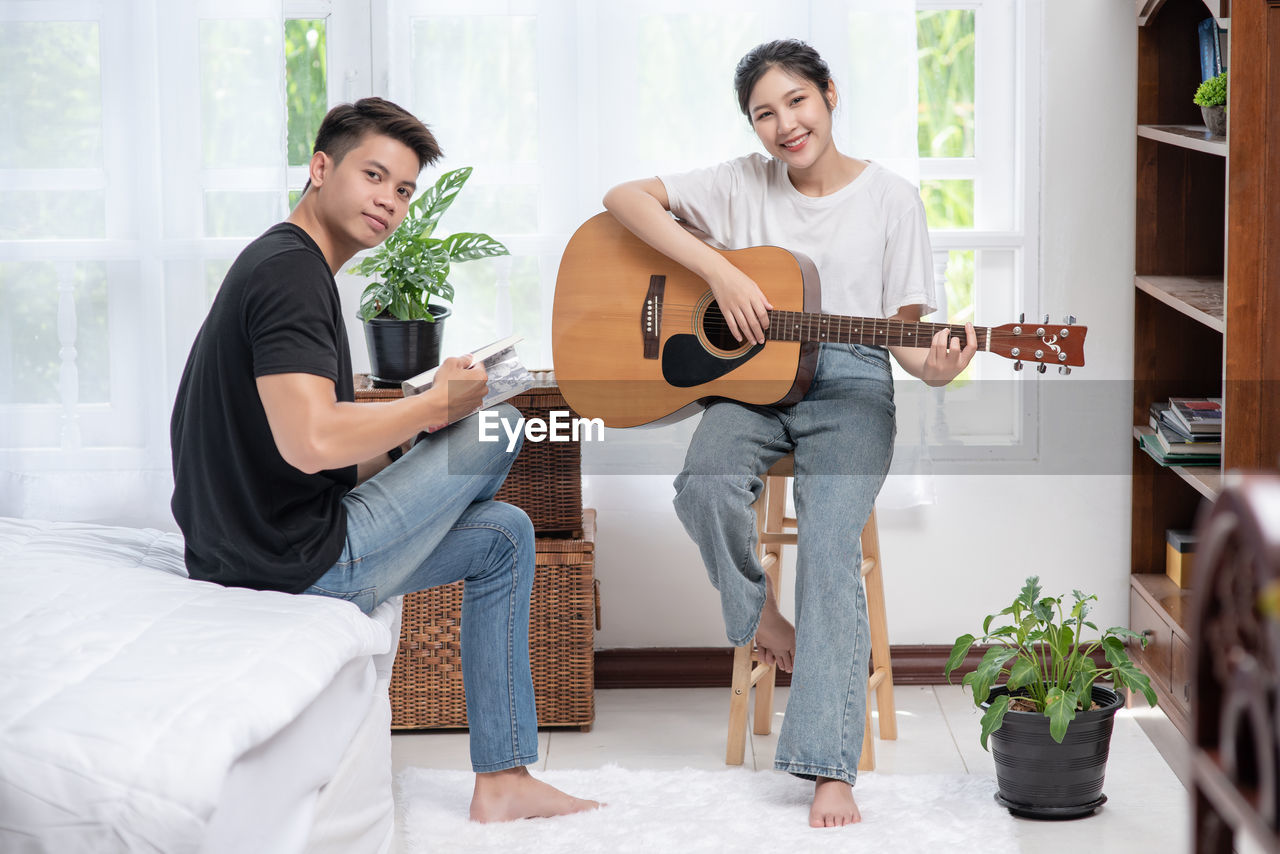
639 339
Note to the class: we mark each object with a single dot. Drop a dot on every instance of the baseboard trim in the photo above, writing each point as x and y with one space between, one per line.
712 667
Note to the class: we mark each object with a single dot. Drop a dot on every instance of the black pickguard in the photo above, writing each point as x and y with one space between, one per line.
685 363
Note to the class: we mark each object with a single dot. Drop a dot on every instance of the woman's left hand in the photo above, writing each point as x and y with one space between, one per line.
947 358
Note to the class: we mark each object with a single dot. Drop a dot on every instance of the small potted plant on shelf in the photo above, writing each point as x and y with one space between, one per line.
402 326
1050 722
1211 96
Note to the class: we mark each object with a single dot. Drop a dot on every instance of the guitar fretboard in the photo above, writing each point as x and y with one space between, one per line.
839 329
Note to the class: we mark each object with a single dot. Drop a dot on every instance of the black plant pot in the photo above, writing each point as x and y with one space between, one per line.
1040 778
400 349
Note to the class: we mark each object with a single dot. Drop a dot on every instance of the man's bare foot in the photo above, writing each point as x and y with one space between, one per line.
775 636
514 793
833 804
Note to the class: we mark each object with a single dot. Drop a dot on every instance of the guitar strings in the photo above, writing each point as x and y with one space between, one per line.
841 325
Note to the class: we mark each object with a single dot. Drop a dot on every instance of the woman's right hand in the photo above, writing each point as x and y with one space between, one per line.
743 304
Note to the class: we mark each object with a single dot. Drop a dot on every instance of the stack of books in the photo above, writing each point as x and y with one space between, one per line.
1185 431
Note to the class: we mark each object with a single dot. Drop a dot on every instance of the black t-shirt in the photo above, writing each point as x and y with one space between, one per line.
249 518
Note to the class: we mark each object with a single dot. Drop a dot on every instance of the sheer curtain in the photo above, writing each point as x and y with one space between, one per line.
145 144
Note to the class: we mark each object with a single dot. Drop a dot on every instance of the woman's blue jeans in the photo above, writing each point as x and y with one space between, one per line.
430 519
842 435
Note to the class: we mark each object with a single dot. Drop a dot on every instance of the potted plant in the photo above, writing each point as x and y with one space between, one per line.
410 268
1050 722
1212 98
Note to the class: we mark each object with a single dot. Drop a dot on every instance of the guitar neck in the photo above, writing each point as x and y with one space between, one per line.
878 332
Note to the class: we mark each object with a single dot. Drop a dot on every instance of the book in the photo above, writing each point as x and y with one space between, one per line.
1207 32
1174 445
1198 414
1148 442
507 374
1161 418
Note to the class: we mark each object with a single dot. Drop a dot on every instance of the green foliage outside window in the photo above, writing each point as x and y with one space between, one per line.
307 86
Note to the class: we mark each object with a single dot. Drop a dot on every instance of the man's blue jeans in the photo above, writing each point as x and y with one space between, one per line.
430 519
842 436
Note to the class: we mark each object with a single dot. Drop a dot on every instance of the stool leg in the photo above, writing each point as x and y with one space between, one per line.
867 761
775 501
880 660
736 748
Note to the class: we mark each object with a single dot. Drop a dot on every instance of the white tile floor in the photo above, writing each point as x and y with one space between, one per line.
1147 808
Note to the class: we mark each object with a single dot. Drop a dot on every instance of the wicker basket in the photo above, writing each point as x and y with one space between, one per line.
546 479
426 686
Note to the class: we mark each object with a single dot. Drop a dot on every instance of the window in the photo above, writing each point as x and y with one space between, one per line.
147 143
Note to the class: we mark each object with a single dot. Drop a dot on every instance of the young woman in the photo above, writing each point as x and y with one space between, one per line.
864 228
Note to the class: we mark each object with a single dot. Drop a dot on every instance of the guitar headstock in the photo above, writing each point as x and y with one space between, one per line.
1060 344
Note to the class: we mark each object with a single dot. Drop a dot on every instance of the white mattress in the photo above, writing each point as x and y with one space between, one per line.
143 711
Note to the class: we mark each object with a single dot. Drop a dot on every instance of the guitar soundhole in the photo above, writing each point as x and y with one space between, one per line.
715 330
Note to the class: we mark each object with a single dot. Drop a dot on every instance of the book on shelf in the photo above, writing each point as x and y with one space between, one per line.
1160 417
507 374
1174 445
1151 445
1210 39
1197 414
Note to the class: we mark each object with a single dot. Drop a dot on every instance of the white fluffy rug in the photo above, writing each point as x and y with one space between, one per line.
734 810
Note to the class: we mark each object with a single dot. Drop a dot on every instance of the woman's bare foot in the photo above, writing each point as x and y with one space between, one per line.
833 804
775 636
514 793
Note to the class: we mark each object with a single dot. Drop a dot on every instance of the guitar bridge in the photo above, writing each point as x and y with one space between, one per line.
651 316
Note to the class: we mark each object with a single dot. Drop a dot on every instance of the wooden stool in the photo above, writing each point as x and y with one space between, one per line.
772 526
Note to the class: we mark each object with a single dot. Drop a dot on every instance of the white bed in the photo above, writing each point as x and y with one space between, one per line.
141 711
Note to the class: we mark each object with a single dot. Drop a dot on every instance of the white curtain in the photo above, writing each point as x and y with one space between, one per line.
145 145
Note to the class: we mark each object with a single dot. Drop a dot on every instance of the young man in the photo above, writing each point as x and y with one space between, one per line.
282 482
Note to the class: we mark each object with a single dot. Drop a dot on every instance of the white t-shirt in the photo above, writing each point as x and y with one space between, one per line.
868 239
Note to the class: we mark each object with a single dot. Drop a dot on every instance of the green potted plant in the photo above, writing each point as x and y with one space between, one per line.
1211 96
1050 723
402 326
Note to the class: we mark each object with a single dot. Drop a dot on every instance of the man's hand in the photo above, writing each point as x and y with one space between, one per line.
464 382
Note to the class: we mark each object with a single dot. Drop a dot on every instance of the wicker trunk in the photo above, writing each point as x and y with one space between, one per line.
426 687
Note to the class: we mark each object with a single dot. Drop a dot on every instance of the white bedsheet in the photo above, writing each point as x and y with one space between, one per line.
128 692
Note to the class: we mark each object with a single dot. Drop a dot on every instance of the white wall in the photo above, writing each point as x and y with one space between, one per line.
950 563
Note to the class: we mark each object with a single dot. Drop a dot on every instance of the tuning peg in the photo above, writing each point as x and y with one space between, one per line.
1064 370
1042 367
1022 317
1046 320
1070 320
1017 366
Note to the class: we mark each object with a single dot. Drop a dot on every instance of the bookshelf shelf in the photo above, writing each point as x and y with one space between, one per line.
1206 480
1198 297
1160 590
1194 137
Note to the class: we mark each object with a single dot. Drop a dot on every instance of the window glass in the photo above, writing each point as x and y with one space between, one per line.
306 84
44 215
50 95
241 104
948 203
29 342
947 93
475 85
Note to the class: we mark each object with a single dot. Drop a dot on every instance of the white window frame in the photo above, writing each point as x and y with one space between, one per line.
1002 137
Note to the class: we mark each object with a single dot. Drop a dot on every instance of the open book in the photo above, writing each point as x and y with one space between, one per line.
507 374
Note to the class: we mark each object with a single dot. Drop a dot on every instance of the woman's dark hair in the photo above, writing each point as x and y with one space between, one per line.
791 55
347 124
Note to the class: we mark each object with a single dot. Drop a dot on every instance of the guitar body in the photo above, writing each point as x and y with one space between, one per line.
637 338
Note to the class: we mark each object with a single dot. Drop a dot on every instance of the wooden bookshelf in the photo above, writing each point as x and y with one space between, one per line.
1205 321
